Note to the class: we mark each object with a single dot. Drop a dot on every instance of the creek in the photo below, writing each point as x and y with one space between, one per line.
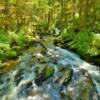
57 74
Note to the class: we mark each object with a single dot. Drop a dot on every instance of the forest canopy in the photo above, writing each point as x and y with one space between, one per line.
75 22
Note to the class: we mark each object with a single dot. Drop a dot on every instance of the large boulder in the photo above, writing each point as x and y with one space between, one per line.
81 88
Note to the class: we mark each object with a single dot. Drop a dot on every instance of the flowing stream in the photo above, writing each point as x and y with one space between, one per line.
54 75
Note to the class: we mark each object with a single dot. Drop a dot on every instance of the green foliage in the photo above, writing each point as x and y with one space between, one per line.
6 51
21 19
8 41
94 45
80 42
3 37
21 38
17 38
84 42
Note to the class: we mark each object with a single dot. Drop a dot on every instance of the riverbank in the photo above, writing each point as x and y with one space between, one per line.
95 60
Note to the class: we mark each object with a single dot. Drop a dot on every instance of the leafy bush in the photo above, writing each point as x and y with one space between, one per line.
18 38
3 37
84 42
80 42
94 44
6 51
8 41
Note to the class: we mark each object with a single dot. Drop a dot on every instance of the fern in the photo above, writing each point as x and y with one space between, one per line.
80 42
21 39
84 42
95 45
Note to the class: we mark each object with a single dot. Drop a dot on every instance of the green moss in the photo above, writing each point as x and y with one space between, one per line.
48 71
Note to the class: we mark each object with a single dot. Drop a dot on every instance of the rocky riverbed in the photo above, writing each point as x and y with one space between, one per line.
55 74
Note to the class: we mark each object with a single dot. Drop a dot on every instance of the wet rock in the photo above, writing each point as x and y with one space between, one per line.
35 98
44 60
4 84
18 77
38 95
43 73
24 89
64 75
82 88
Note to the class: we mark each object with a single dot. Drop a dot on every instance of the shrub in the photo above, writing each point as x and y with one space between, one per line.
84 42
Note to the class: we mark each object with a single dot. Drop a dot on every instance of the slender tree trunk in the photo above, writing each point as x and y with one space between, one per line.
50 13
62 13
6 14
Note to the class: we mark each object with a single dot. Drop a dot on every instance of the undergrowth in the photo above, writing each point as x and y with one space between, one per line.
84 42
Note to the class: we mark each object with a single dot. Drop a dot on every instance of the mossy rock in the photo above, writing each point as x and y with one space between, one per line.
43 73
64 75
82 88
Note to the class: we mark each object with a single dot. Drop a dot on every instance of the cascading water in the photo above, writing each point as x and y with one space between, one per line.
56 75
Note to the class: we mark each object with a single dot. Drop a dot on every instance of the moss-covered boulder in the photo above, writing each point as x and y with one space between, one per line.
81 88
43 73
64 75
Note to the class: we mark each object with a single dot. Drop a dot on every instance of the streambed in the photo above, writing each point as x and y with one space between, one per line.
57 74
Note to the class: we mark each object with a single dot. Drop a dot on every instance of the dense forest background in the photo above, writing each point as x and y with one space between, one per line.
49 49
73 24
